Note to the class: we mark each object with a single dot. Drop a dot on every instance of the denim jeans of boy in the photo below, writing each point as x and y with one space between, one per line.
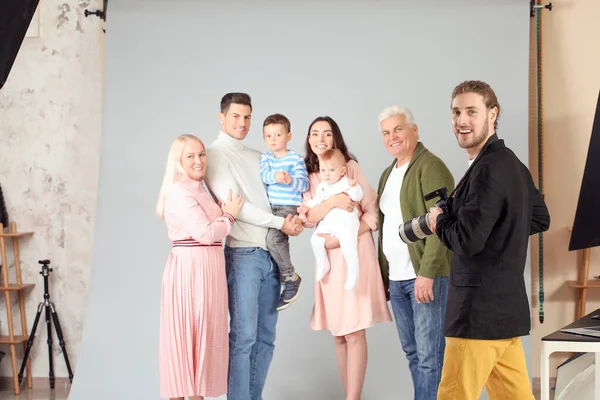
421 331
253 286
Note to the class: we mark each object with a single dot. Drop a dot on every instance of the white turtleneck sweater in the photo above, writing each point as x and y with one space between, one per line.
232 165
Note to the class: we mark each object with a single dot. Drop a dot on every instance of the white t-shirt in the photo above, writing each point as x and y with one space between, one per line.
395 250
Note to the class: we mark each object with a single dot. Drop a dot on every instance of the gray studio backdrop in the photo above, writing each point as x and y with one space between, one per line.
167 65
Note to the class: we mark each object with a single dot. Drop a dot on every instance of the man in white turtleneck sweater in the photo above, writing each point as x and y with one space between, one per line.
252 274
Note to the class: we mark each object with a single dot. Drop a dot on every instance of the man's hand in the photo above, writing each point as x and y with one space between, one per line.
386 289
283 177
433 214
331 242
292 225
423 289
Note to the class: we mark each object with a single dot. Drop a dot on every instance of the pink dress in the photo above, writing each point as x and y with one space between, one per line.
194 346
337 310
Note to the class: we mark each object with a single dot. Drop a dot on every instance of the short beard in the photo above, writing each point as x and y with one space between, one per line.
477 140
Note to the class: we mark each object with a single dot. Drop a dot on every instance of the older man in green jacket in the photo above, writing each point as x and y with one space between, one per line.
416 274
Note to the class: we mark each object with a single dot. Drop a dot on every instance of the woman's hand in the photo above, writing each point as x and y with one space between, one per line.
343 201
331 242
232 205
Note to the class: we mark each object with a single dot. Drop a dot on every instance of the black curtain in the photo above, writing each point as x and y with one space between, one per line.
15 17
3 212
587 217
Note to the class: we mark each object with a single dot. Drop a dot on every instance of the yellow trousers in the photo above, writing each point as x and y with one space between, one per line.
469 364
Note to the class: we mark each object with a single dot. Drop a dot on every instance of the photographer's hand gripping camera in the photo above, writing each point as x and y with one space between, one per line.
419 228
49 306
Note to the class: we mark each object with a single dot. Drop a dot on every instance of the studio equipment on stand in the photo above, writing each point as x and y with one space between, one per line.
50 310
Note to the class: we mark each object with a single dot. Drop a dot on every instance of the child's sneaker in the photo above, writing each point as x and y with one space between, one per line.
290 293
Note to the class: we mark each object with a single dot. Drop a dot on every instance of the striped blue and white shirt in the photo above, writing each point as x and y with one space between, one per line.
281 194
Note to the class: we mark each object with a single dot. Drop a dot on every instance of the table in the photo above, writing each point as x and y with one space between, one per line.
567 342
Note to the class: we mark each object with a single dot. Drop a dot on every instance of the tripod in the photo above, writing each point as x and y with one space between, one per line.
49 308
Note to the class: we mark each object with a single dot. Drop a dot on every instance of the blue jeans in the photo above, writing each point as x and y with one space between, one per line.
421 331
253 285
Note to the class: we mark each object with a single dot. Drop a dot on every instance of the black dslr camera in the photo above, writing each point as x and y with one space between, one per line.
418 228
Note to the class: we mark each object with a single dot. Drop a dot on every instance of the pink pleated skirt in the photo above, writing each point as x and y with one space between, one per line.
341 311
194 346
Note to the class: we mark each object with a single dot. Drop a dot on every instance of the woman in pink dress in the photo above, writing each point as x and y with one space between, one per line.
346 314
193 347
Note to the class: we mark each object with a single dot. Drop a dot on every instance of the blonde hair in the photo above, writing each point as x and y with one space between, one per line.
174 170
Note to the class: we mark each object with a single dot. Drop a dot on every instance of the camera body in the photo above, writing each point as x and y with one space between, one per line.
419 228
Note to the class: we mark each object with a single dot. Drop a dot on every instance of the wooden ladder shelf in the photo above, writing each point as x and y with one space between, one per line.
19 287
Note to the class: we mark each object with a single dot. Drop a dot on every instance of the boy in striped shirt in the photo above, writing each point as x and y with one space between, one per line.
284 173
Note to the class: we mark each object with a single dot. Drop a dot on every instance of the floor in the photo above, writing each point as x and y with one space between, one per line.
35 394
41 394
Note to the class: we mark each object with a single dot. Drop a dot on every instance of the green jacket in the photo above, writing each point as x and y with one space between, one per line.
425 173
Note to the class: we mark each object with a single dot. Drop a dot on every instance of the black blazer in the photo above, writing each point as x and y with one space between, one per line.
493 210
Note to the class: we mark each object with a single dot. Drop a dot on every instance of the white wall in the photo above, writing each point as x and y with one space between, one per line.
50 119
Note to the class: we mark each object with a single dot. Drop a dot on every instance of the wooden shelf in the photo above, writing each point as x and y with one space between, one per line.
15 234
17 289
16 286
16 339
581 285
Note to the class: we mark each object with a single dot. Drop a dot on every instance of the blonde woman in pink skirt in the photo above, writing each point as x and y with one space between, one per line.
193 349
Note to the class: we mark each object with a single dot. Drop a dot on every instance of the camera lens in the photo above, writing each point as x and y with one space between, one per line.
416 229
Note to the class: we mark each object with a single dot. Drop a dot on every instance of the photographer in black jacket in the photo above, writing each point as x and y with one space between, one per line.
493 211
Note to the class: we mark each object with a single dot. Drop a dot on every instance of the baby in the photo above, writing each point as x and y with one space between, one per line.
284 172
338 223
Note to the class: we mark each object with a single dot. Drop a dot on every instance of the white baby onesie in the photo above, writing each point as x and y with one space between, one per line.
341 224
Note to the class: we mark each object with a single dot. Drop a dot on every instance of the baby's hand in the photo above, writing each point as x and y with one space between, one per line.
351 182
303 209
